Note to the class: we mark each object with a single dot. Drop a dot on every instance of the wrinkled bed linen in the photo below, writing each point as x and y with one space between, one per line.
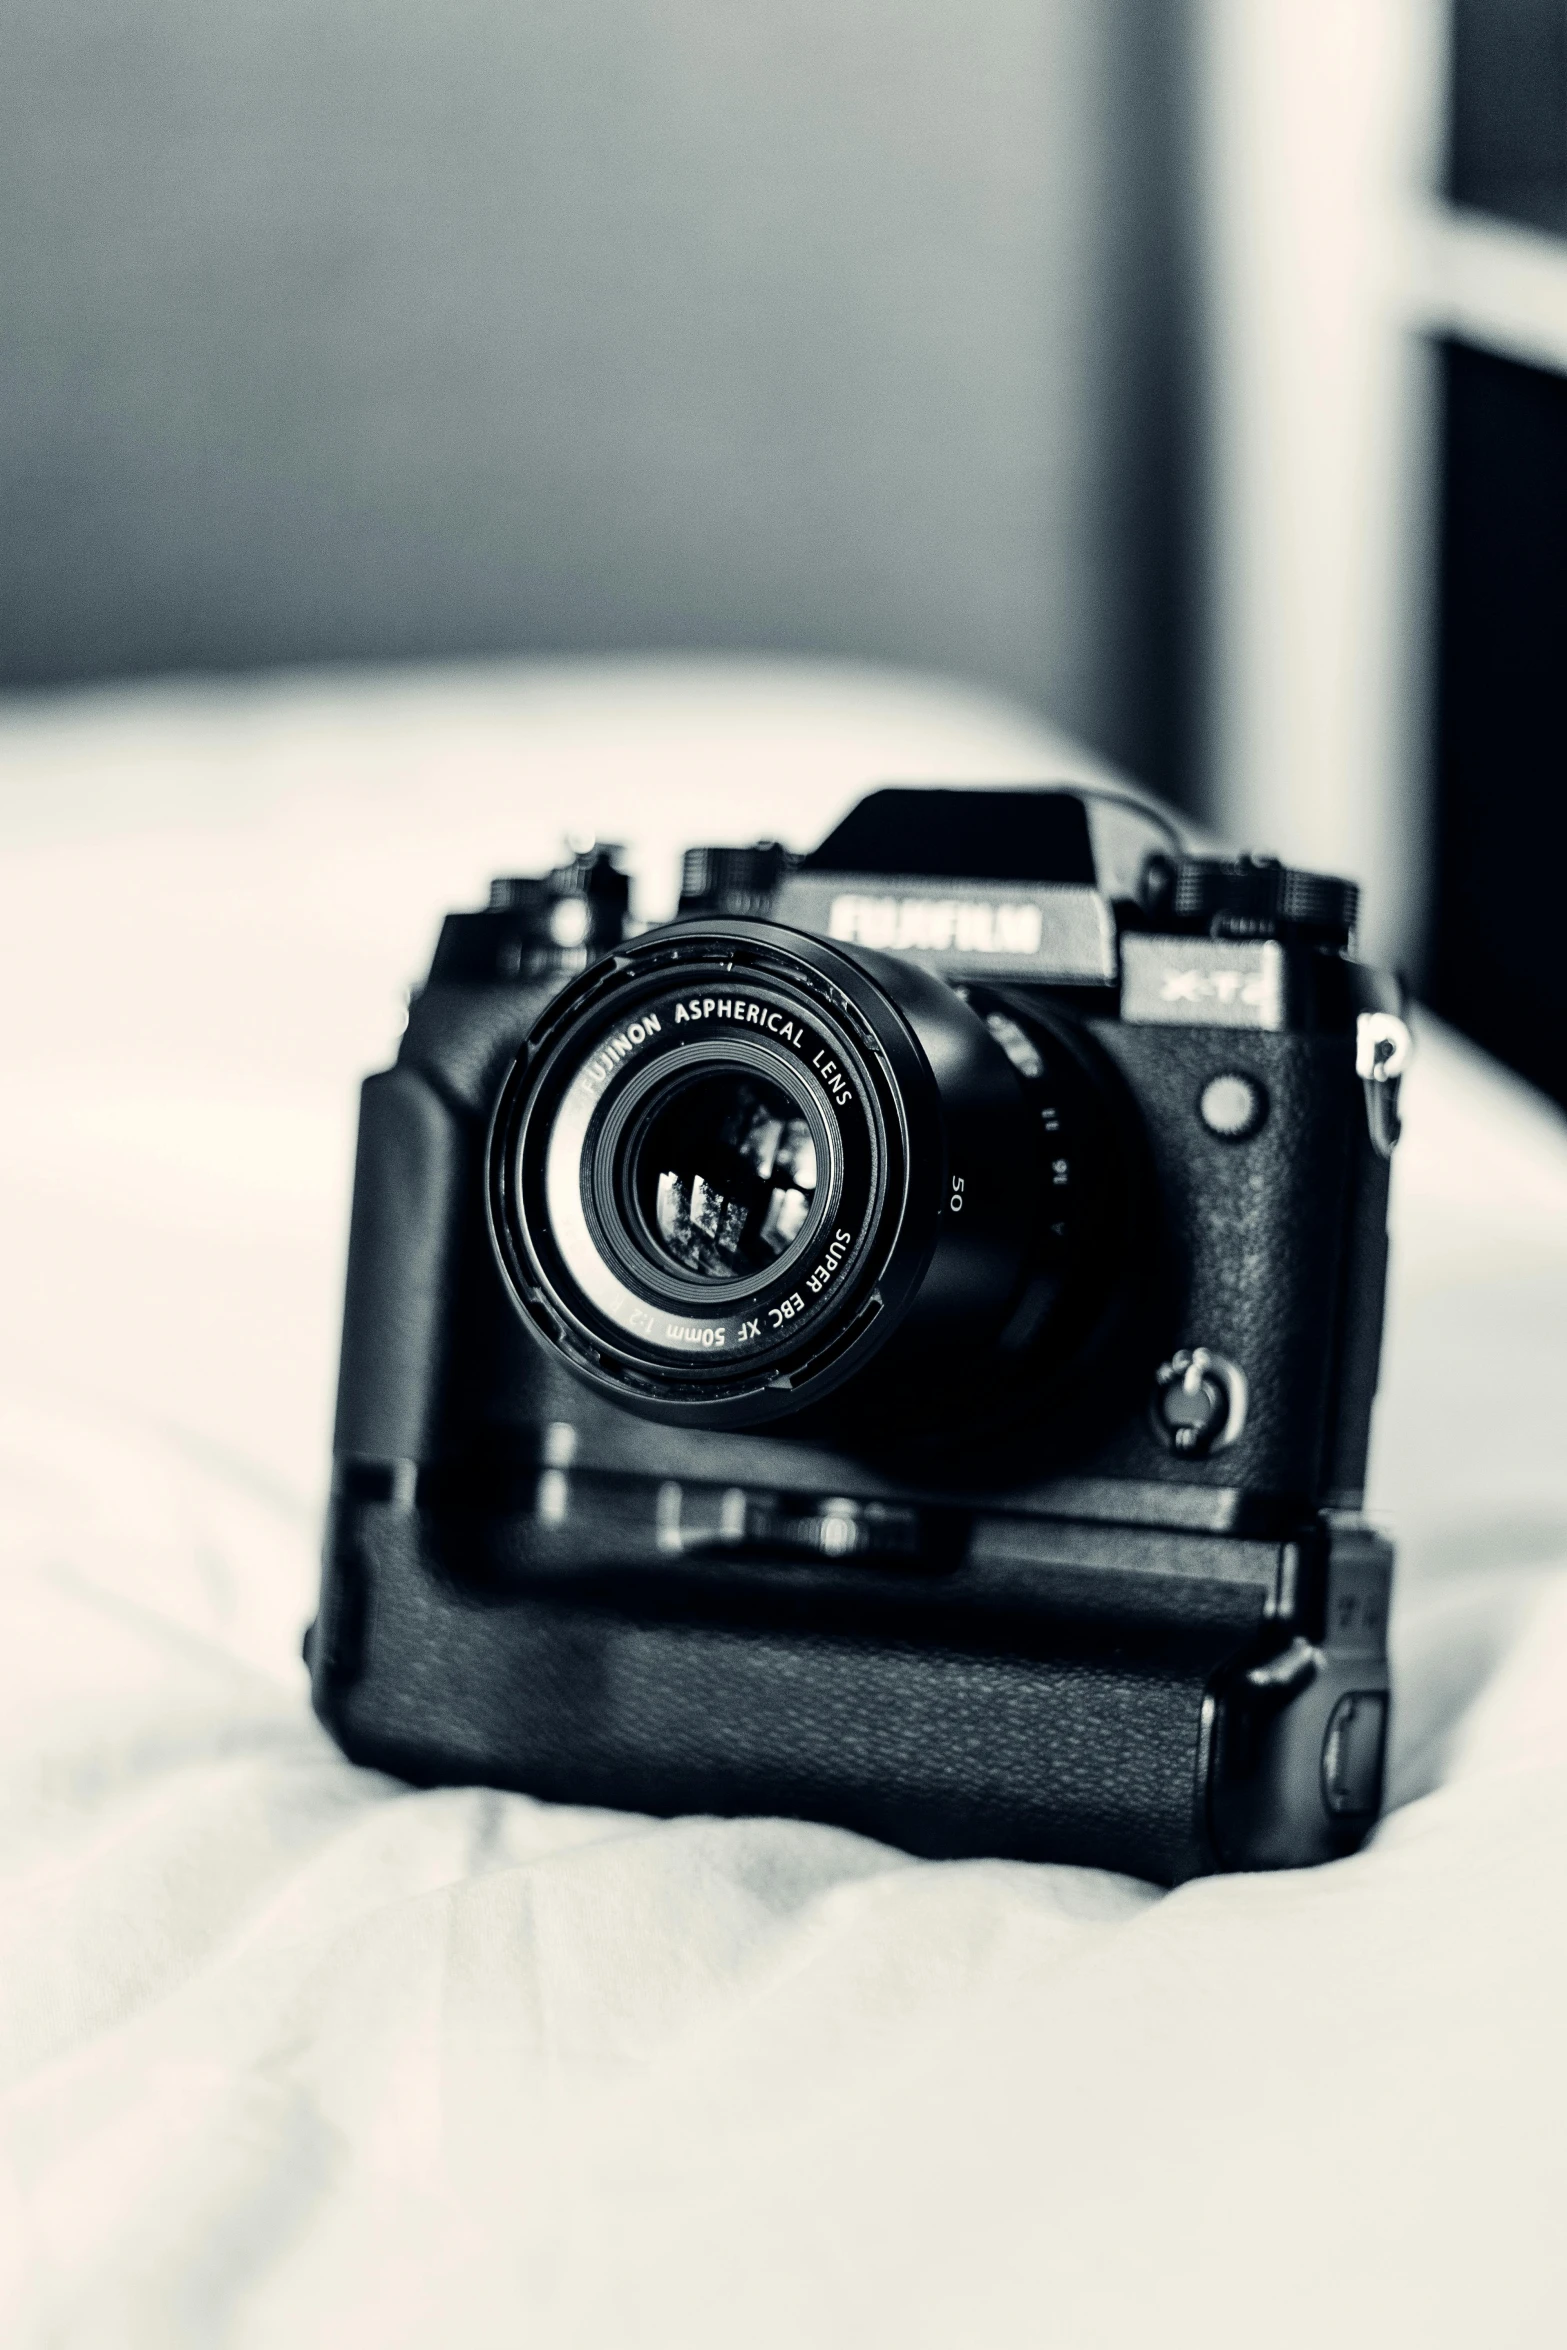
292 2054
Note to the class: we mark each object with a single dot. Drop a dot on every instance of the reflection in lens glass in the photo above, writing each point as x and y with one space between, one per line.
725 1175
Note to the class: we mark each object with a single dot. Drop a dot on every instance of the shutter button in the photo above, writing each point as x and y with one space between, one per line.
1199 1402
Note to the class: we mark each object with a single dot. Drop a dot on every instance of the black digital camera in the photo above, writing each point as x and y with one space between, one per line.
894 1345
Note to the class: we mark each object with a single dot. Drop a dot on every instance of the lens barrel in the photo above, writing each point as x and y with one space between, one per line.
735 1168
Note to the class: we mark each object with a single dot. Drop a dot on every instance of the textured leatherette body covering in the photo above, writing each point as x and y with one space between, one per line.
1257 1236
961 1714
498 1603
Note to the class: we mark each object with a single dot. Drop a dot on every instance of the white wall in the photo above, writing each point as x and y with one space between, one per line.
1319 134
439 326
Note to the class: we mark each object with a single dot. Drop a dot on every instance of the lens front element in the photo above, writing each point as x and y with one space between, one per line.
722 1174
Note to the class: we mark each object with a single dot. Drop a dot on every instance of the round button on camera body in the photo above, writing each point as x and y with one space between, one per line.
1233 1106
1199 1402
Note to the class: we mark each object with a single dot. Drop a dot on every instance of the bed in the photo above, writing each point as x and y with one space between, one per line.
294 2054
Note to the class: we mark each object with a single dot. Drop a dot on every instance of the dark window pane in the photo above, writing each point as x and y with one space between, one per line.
1508 115
1498 965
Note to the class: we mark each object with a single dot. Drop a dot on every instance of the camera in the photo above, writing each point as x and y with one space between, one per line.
894 1345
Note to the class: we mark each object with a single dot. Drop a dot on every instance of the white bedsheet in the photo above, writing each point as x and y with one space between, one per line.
292 2055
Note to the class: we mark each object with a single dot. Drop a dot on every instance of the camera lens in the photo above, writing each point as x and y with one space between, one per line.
737 1168
722 1174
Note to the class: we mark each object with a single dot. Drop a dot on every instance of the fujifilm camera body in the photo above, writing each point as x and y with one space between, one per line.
894 1345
